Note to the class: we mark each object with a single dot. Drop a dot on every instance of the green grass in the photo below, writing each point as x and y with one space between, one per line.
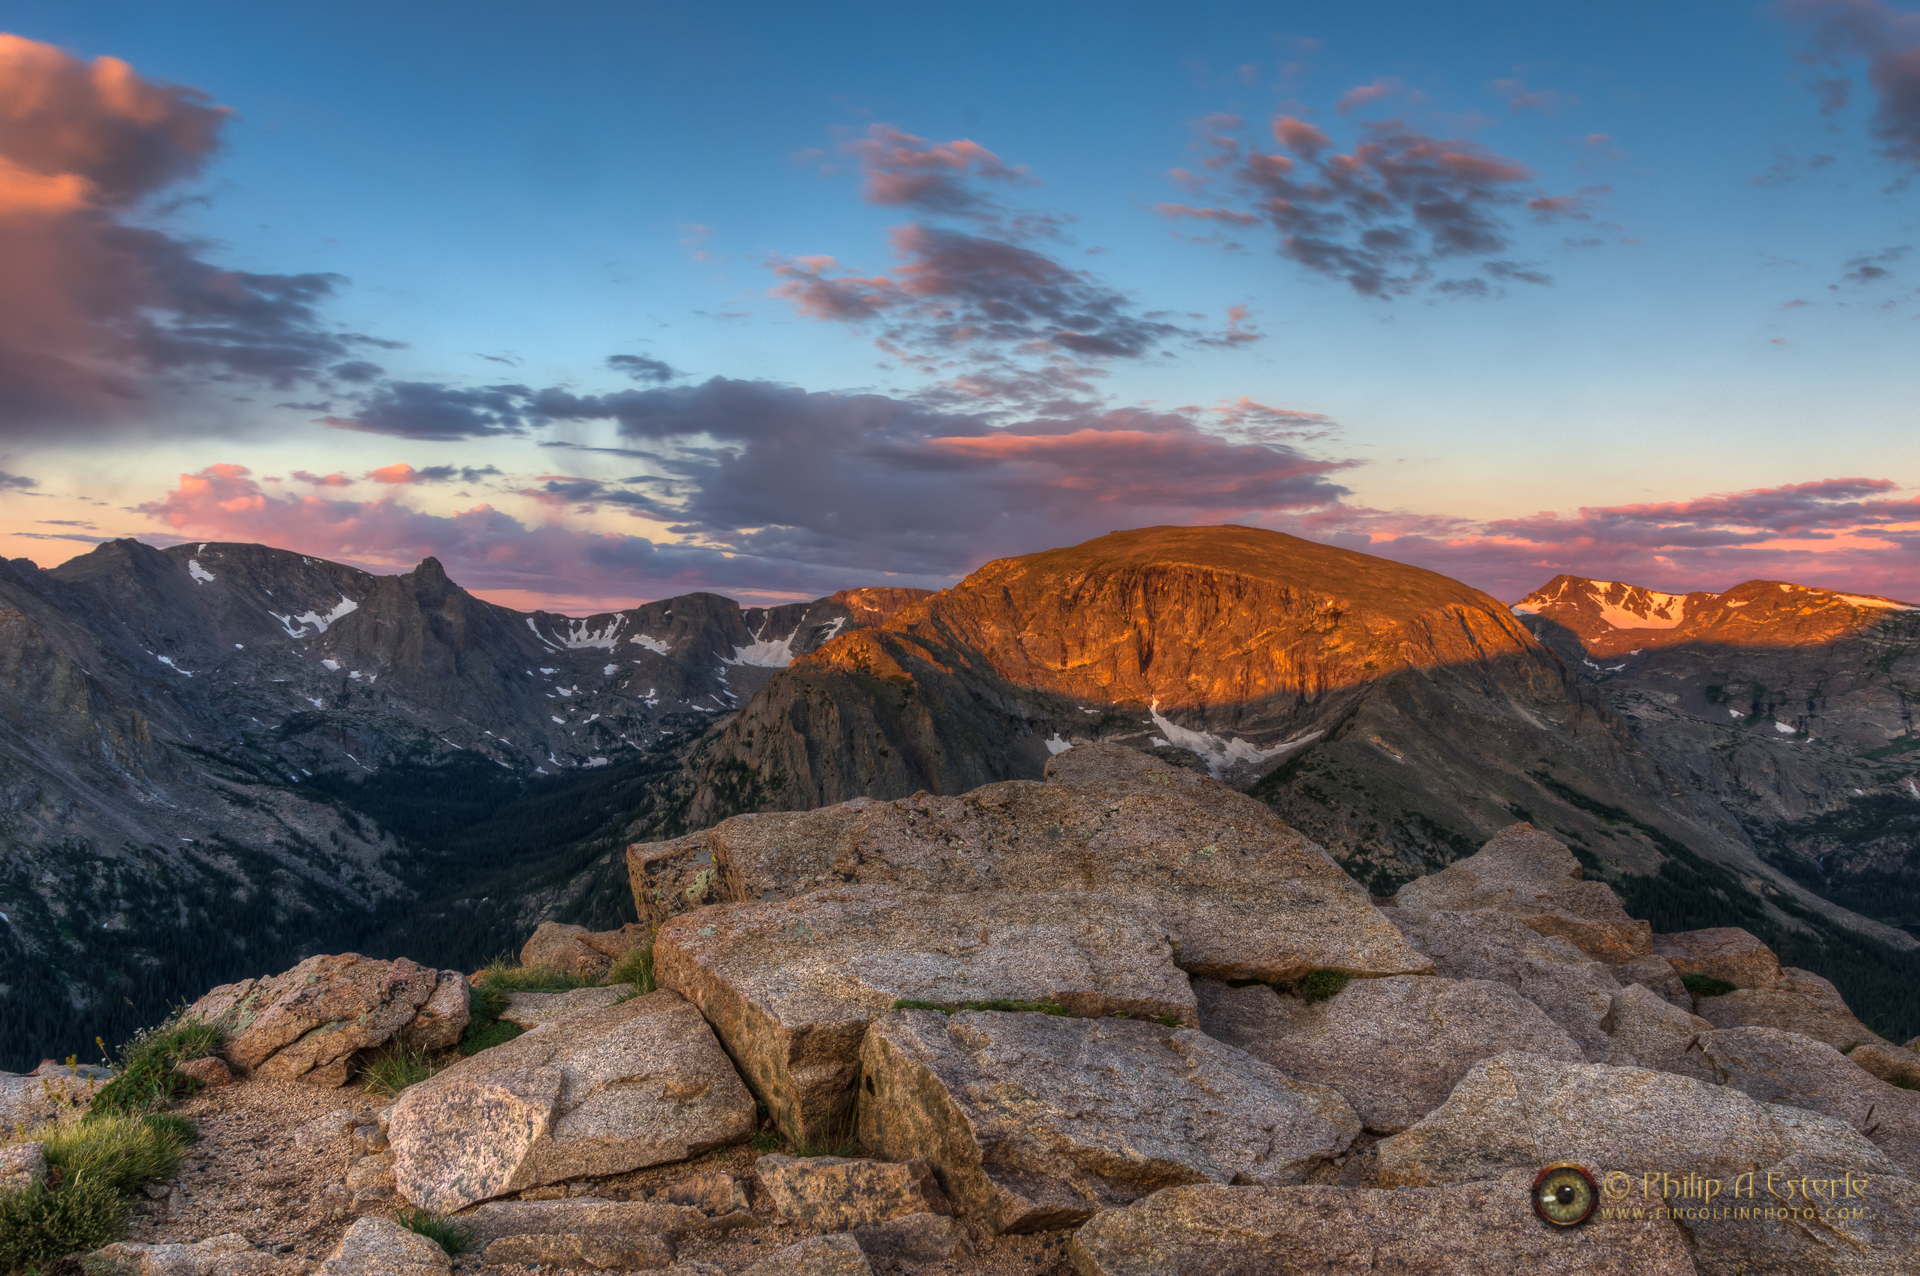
149 1066
636 968
493 1032
503 976
765 1141
1707 985
121 1150
454 1238
1904 1081
1315 985
1004 1004
394 1069
39 1224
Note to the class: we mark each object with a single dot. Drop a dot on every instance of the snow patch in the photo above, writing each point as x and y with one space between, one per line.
655 645
199 573
561 721
1737 715
310 700
763 653
1158 743
1220 754
610 670
593 762
1783 728
333 666
565 691
314 619
1861 600
1057 746
579 635
239 646
168 662
1912 787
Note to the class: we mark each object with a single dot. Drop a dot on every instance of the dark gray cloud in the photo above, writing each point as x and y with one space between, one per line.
643 369
1841 33
430 411
17 481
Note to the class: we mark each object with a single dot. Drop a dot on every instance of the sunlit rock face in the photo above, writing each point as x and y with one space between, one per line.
1391 714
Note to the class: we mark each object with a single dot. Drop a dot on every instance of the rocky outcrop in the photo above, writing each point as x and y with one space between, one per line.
815 1256
531 1009
833 1194
1036 1121
1898 1064
1533 876
228 1254
1783 1067
22 1165
579 952
1463 1230
1723 952
601 1092
790 987
1242 895
376 1246
1393 1048
1573 989
1650 1032
310 1023
47 1094
1800 1002
1518 1111
1829 1220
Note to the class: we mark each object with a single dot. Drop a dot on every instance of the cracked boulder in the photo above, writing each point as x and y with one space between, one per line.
1520 1111
1800 1002
1393 1048
1038 1121
1573 989
1536 878
1647 1031
308 1023
1784 1067
790 987
1242 894
1468 1230
598 1093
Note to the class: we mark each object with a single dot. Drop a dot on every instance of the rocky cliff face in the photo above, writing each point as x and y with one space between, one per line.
1790 707
1394 715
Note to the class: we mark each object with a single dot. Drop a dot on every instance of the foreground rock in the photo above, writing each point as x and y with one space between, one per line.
601 1092
381 1247
22 1165
1784 1067
577 951
790 987
1470 1230
228 1254
1650 1032
308 1023
1037 1121
531 1009
1573 989
1393 1048
815 1256
1242 894
1842 1224
613 1222
1723 952
1898 1064
1536 878
47 1095
1520 1112
835 1194
1800 1002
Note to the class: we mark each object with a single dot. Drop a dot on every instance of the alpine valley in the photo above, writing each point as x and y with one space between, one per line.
217 759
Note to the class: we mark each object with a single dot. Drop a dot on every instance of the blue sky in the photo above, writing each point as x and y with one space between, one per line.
553 186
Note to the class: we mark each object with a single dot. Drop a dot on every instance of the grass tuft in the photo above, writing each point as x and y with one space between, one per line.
482 1034
503 976
1707 985
40 1224
393 1070
454 1238
1005 1004
149 1075
766 1141
1904 1081
1315 985
636 968
123 1151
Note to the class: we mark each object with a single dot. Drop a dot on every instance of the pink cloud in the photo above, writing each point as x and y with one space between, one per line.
96 308
1847 534
904 171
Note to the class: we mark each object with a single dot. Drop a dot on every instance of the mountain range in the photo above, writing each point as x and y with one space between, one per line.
217 757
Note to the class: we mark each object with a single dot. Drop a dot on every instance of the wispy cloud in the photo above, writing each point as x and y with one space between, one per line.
1842 33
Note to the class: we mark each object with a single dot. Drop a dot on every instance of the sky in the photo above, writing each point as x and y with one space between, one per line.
605 302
